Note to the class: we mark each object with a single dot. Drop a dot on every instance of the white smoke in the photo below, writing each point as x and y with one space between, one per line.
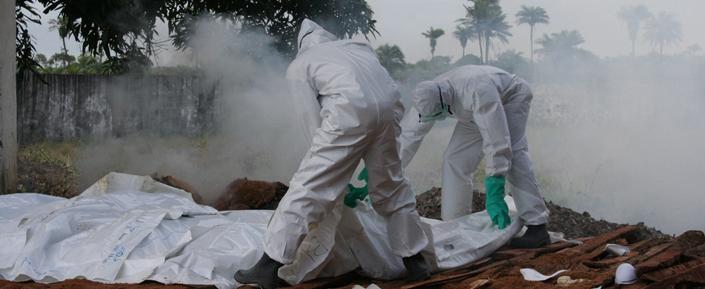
256 132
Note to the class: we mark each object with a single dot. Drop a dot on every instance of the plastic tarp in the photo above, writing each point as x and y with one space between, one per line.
128 229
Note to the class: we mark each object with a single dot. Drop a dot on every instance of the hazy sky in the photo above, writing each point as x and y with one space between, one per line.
402 21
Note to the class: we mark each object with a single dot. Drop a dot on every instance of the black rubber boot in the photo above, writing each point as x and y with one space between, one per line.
264 274
416 268
536 236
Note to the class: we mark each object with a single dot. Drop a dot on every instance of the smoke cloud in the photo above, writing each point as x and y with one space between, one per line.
255 135
625 146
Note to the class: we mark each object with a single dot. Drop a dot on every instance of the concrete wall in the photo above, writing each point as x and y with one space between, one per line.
62 107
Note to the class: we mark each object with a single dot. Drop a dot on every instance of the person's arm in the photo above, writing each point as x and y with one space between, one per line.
412 133
491 119
304 101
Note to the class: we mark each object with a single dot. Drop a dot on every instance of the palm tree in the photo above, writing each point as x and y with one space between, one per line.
488 21
496 28
663 30
433 35
634 15
391 57
561 45
532 15
464 33
60 24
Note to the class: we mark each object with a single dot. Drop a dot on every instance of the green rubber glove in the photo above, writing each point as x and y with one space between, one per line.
495 204
355 193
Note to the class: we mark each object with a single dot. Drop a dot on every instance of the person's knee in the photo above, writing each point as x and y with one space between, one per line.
402 200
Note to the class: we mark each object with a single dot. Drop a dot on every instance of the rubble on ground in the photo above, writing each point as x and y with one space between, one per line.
659 263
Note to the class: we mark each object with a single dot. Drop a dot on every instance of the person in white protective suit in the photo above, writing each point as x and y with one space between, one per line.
351 111
491 107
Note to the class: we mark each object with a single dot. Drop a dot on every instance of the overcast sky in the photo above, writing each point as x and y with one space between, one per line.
401 22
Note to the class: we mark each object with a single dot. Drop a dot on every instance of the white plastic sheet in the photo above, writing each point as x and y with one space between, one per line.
127 229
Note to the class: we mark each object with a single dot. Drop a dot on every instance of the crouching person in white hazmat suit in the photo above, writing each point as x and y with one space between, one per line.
491 107
351 111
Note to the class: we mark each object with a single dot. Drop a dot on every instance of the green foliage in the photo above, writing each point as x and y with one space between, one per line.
464 33
61 26
25 14
562 45
469 59
62 63
489 23
425 69
512 62
532 15
391 57
47 168
124 30
62 57
433 35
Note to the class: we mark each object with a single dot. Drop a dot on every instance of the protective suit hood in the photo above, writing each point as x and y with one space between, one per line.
433 97
312 34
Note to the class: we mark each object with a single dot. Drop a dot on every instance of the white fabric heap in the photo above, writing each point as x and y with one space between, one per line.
128 229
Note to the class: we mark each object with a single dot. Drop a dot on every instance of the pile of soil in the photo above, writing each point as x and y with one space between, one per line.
179 184
564 220
244 194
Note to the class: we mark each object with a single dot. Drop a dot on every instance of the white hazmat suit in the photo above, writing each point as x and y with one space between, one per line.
351 110
492 108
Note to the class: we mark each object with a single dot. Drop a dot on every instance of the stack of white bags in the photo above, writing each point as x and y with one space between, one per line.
128 229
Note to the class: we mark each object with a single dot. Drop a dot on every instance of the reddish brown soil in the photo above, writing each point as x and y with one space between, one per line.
244 194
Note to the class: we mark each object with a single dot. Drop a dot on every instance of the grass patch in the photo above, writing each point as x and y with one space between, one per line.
47 168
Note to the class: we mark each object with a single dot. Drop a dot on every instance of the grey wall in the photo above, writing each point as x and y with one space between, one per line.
62 107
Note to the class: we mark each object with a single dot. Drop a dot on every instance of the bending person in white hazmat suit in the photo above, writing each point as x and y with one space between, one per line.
492 108
351 111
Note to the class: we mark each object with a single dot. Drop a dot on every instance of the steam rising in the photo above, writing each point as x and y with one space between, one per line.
256 133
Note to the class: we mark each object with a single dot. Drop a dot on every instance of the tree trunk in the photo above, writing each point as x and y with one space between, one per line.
463 51
531 38
63 41
8 99
487 48
479 41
